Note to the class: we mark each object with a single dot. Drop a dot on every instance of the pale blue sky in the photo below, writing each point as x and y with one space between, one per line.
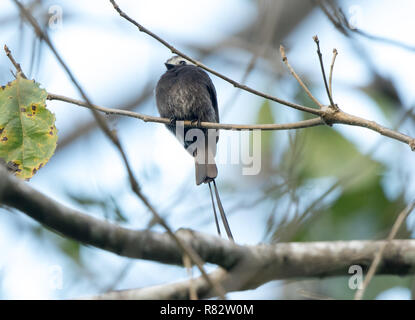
109 57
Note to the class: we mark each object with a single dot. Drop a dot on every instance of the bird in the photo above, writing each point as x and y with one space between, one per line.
186 92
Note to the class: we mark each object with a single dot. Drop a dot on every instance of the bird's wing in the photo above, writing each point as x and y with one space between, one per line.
213 98
212 91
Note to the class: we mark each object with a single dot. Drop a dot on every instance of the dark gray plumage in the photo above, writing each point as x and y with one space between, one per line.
185 92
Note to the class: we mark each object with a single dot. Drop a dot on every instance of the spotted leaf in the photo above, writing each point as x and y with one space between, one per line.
28 134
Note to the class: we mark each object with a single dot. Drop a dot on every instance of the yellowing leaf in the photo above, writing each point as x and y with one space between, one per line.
28 134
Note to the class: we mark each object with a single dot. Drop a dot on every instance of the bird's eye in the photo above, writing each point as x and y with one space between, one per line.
182 62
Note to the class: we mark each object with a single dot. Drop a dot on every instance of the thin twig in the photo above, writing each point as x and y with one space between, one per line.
344 179
333 115
327 114
334 18
331 72
268 30
14 62
345 118
209 125
292 71
84 128
320 57
112 136
330 117
120 276
192 289
383 39
201 65
341 22
378 257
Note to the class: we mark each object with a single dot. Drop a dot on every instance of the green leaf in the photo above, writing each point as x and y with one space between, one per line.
28 134
327 153
71 248
265 116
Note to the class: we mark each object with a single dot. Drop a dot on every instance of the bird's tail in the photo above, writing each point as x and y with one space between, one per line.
222 212
205 171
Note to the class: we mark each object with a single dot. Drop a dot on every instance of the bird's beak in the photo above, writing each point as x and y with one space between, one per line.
169 66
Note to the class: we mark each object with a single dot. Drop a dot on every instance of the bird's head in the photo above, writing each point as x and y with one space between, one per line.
177 61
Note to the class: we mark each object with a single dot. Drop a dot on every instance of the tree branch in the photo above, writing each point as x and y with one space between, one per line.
294 74
323 72
339 20
84 128
107 236
335 53
14 62
201 65
187 123
326 114
289 261
330 117
117 143
378 257
247 266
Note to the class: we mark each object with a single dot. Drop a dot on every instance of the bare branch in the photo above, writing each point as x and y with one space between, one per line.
114 139
247 267
16 65
89 230
268 29
171 291
84 128
292 71
187 123
331 71
320 57
192 290
345 118
290 260
378 257
327 115
338 18
330 117
199 64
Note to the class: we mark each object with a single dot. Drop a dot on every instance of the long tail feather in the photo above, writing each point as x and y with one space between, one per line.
214 209
222 213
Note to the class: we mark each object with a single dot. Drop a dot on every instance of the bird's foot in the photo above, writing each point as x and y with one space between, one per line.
173 120
196 122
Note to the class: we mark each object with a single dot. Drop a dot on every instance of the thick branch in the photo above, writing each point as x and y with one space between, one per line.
104 235
289 260
116 142
171 291
247 266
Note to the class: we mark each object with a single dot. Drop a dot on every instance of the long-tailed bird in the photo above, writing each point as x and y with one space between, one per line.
186 92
